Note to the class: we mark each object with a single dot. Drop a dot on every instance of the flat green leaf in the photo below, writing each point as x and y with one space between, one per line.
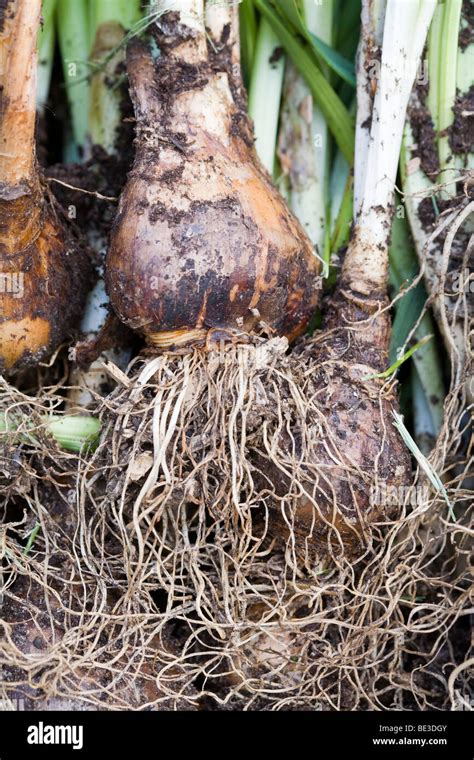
337 116
340 65
248 35
340 233
289 9
330 56
347 29
403 270
406 317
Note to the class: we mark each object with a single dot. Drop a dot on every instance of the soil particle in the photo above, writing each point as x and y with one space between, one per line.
424 136
276 55
240 127
170 33
466 35
173 77
172 176
157 212
429 211
461 132
225 34
3 11
102 174
221 60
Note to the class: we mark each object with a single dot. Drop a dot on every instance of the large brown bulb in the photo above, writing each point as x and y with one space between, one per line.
203 242
43 275
42 268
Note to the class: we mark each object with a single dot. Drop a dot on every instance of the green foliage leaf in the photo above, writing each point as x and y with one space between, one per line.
325 53
337 116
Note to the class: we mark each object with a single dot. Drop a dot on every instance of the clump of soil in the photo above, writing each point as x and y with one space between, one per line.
461 132
466 35
430 209
4 11
424 135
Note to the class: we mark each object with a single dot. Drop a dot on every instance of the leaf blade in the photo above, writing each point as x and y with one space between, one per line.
337 116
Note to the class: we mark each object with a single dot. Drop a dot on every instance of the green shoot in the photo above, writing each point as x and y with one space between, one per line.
434 64
304 142
46 42
403 270
450 66
423 462
265 93
342 223
74 434
74 37
398 363
124 12
111 19
31 539
447 53
336 114
341 192
314 27
248 37
423 428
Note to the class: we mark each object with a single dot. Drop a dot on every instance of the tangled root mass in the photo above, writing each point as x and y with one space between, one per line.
169 572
